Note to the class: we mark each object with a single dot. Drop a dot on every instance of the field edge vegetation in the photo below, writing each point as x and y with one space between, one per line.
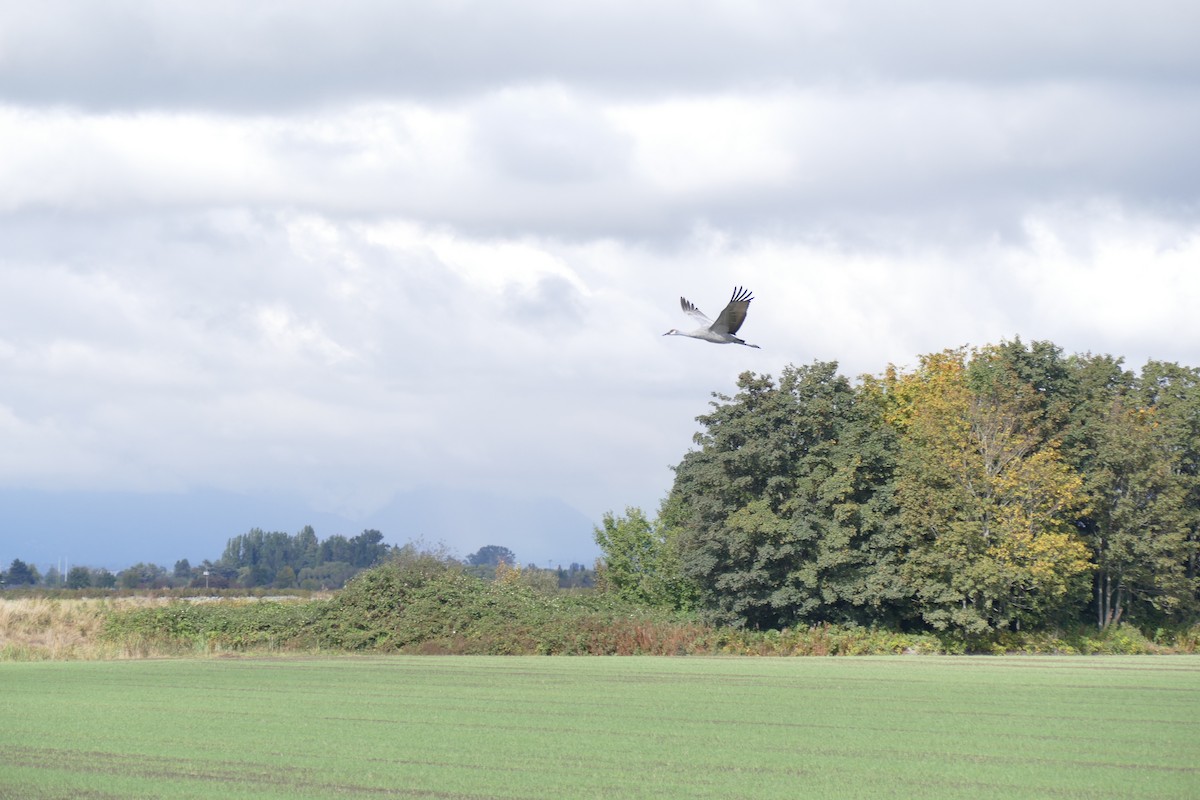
424 604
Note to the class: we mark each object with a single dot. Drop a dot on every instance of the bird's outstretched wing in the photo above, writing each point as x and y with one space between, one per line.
735 313
694 313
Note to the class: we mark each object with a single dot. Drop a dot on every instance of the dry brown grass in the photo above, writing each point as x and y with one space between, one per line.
39 629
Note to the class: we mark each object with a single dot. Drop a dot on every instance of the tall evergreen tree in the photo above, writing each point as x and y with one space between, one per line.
307 549
20 574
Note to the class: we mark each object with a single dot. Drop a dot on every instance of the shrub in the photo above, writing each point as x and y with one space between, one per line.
208 626
426 603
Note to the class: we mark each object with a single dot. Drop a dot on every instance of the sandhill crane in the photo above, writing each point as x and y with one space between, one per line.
722 331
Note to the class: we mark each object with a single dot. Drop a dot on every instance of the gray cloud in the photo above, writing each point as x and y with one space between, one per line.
278 54
554 162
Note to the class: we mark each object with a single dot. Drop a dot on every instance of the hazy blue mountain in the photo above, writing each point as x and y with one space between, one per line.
117 529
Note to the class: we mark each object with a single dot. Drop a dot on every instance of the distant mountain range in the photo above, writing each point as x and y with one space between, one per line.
117 529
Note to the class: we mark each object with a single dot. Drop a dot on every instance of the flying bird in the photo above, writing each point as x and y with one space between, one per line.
722 331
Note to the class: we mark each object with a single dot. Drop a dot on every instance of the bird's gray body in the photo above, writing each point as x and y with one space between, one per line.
722 331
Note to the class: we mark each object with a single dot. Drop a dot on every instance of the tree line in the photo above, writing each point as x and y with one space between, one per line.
251 560
1008 487
277 560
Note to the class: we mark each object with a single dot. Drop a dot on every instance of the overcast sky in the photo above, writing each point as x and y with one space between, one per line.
348 249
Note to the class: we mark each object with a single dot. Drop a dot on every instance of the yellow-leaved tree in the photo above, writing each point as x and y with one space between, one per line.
986 500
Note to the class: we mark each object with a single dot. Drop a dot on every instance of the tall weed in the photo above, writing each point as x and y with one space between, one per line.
38 629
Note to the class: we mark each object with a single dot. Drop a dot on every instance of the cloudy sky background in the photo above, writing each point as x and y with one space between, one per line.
344 252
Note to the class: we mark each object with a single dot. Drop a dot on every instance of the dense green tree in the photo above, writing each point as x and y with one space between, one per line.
20 574
640 561
285 578
361 551
1128 437
783 511
1173 392
103 579
367 549
491 555
335 548
1095 380
1040 368
79 578
254 576
1136 529
256 558
306 551
143 576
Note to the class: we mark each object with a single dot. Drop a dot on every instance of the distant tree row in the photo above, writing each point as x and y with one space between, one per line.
991 489
259 559
256 559
20 574
285 561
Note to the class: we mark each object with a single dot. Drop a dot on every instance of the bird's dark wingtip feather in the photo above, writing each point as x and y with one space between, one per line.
741 295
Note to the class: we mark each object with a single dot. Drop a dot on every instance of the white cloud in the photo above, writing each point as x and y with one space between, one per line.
705 145
1103 279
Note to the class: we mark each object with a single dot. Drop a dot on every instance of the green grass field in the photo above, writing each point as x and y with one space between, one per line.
468 727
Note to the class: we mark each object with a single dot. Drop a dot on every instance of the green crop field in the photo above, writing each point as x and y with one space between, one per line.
527 727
